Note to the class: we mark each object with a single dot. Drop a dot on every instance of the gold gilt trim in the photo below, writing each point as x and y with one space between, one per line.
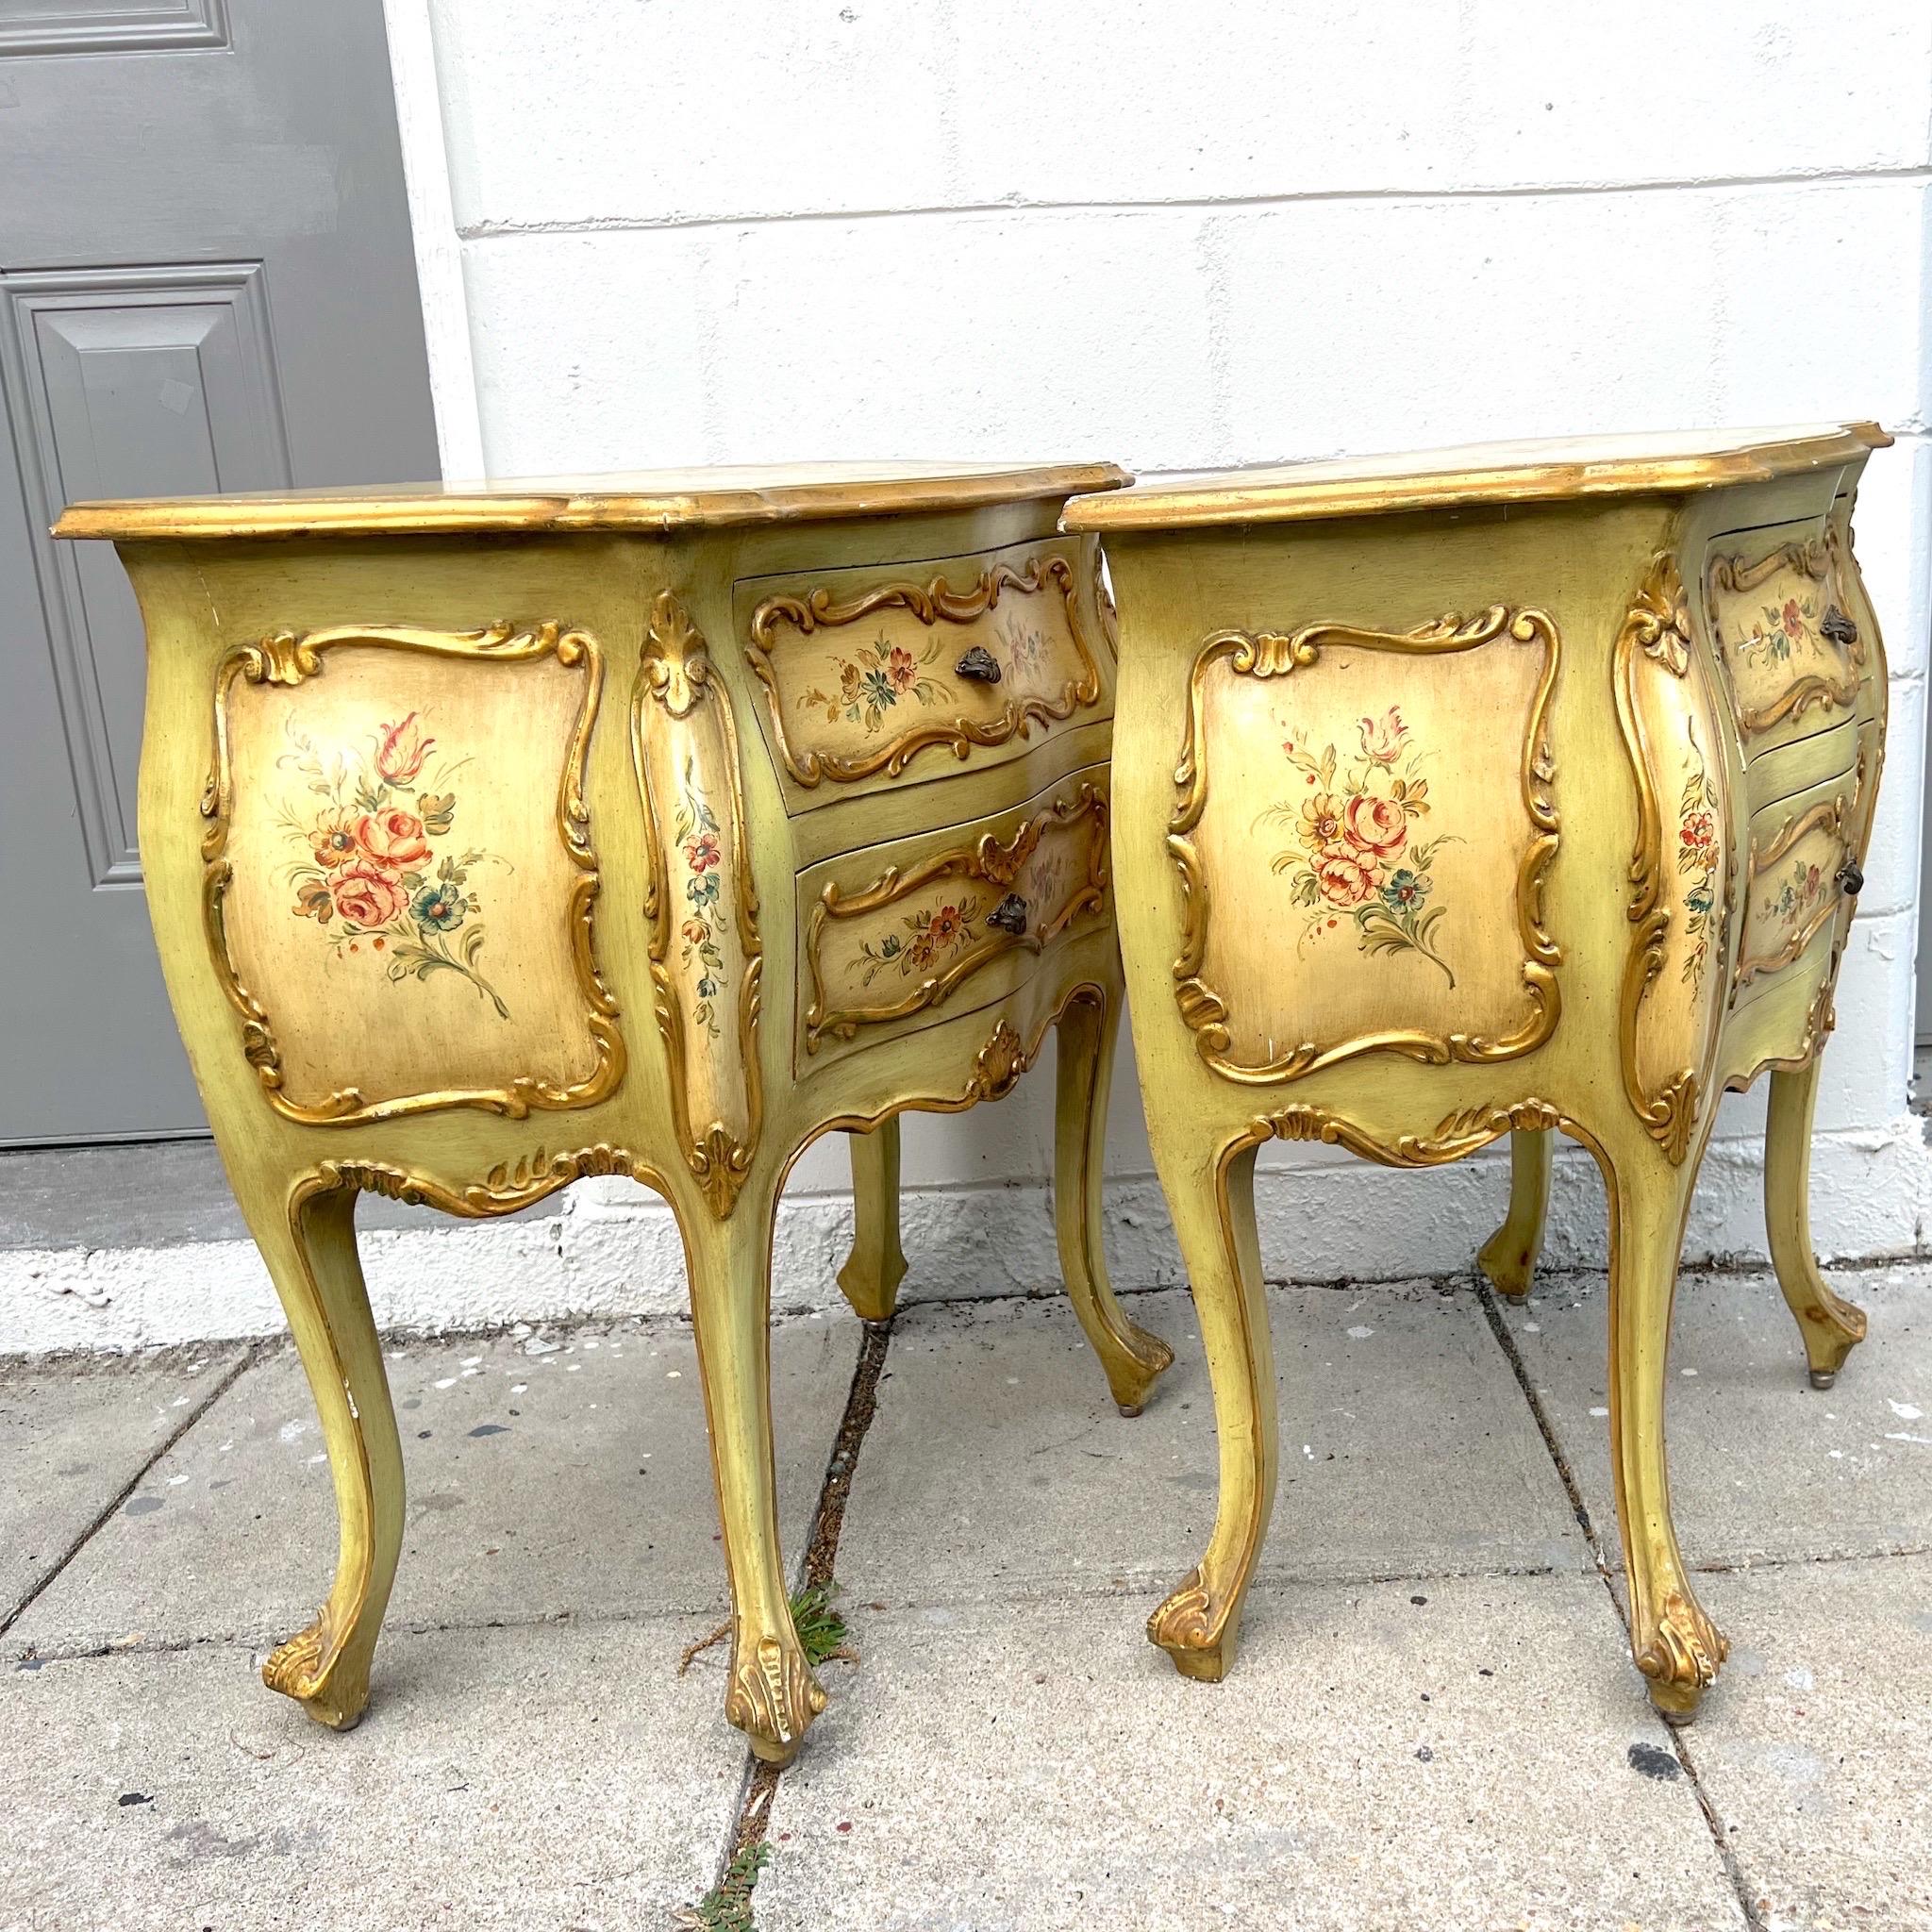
1656 630
932 603
1818 558
1267 655
508 1187
676 672
288 657
998 863
1829 815
1457 1135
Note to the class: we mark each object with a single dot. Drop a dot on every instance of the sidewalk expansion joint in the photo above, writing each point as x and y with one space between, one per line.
221 1386
1719 1838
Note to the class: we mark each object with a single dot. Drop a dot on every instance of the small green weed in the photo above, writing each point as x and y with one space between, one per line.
726 1908
821 1628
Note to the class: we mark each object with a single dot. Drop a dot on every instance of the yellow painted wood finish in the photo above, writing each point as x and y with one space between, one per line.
474 873
1442 811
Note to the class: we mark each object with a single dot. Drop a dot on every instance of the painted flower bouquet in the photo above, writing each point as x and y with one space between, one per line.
1354 861
369 873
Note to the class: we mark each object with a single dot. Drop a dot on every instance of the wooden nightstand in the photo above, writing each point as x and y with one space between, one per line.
647 826
1498 791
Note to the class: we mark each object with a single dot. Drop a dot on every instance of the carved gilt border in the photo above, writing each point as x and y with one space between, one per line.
998 863
1817 557
288 657
1266 655
932 603
674 672
1459 1134
1656 630
1829 815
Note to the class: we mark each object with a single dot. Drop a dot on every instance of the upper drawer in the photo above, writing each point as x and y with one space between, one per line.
1782 625
879 674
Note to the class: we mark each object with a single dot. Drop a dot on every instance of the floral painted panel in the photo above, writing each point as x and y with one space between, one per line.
1780 621
1796 849
1360 849
401 897
870 672
909 940
376 863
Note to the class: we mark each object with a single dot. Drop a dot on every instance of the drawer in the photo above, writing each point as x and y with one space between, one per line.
900 936
879 676
1786 769
1780 620
1792 892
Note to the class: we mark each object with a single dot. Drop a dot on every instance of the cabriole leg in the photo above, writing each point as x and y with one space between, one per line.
309 1246
1675 1644
773 1695
876 1265
1214 1216
1132 1357
1508 1256
1831 1327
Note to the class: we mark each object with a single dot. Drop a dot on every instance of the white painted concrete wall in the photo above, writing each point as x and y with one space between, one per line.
1175 233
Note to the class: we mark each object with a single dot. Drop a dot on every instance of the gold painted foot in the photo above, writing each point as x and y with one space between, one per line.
1680 1655
774 1697
307 1238
1199 1625
1830 1327
876 1265
1133 1358
317 1670
1198 1632
1509 1257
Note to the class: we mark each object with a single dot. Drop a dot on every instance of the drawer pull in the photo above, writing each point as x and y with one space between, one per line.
1009 915
1851 876
1839 628
980 665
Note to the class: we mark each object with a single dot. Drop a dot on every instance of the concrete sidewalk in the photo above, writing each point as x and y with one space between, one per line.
1433 1723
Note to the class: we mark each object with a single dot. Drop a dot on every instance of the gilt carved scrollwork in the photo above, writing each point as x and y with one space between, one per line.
706 956
1678 909
287 659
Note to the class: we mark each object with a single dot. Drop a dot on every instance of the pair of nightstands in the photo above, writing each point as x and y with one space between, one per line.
658 826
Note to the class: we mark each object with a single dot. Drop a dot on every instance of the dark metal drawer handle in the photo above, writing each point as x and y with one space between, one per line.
980 665
1852 877
1009 915
1840 628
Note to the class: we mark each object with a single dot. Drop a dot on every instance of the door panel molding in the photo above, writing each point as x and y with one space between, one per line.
126 26
119 380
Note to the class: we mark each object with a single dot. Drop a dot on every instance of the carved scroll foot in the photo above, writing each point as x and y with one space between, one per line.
1680 1657
316 1668
774 1698
1509 1257
1198 1632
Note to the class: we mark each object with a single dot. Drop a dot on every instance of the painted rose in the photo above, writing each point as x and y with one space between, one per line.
1344 879
1699 834
1383 738
333 840
702 853
401 749
1793 619
392 838
902 673
366 895
1378 826
1321 821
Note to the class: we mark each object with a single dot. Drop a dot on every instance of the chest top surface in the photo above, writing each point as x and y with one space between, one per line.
639 500
1551 470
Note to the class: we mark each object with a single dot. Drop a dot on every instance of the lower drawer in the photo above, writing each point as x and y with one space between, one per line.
900 936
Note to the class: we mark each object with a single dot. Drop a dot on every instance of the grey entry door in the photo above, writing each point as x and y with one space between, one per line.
207 282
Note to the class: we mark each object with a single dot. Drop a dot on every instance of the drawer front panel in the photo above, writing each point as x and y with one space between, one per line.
1794 890
1781 620
900 936
400 879
875 677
